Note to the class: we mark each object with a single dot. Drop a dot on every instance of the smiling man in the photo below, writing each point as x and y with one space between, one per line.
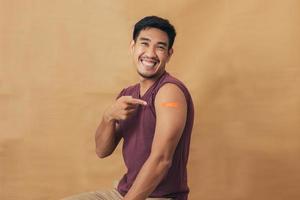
154 118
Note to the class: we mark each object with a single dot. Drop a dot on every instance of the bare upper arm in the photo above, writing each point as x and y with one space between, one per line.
171 111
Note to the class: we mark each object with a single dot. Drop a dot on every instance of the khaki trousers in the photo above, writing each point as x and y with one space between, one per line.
103 195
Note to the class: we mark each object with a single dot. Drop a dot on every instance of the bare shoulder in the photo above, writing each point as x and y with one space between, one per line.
171 94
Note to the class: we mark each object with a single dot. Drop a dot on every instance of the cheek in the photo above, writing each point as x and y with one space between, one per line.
138 52
163 58
136 55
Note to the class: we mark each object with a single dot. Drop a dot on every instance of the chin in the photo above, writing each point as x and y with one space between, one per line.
149 75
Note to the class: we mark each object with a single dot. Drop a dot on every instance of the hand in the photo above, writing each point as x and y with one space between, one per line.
123 108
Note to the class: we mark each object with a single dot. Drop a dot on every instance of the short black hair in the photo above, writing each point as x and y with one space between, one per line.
155 22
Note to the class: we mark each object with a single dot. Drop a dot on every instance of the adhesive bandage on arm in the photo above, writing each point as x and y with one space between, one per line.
170 104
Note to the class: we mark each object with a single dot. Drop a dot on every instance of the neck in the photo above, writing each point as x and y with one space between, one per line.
146 83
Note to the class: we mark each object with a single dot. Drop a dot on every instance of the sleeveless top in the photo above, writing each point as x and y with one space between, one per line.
137 132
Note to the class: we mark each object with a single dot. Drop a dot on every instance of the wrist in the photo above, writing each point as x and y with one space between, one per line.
108 118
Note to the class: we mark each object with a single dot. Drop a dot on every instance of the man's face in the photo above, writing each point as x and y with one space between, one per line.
150 52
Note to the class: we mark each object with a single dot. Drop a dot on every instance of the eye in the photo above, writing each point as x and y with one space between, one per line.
162 48
144 43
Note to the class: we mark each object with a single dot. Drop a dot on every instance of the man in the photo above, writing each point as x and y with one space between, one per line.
154 118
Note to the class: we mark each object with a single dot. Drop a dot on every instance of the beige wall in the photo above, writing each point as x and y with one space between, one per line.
63 62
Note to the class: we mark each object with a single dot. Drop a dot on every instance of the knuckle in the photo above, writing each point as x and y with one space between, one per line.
120 99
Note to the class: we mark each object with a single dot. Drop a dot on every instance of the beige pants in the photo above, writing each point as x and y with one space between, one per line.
103 195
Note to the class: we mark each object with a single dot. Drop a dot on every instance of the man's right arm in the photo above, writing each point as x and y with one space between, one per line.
107 137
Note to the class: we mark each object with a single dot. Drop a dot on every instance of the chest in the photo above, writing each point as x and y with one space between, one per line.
141 124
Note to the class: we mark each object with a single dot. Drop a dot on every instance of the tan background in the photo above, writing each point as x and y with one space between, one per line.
63 62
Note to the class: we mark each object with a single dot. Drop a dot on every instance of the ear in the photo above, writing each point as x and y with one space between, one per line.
132 43
170 53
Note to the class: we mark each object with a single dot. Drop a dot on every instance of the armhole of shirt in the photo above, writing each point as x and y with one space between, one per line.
121 93
119 132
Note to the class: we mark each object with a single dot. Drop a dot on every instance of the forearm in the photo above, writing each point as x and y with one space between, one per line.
105 138
150 175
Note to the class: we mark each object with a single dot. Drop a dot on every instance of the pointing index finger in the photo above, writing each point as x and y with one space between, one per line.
137 101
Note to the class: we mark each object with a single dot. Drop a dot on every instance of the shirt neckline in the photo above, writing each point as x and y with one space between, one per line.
150 88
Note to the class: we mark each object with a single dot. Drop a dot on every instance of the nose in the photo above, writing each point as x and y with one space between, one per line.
150 52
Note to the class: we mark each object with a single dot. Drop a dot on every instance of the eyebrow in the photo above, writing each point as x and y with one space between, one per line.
143 38
147 39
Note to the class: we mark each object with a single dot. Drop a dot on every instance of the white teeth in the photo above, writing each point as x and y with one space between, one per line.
148 63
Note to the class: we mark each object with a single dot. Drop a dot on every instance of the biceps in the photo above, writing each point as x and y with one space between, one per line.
170 124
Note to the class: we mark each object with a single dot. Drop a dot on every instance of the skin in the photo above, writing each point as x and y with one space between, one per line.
150 54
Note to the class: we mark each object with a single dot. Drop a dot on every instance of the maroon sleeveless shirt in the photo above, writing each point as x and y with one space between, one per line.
138 132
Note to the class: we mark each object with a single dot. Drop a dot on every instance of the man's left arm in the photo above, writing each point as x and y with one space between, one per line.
171 111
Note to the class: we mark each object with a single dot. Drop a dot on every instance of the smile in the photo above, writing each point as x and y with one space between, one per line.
148 63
